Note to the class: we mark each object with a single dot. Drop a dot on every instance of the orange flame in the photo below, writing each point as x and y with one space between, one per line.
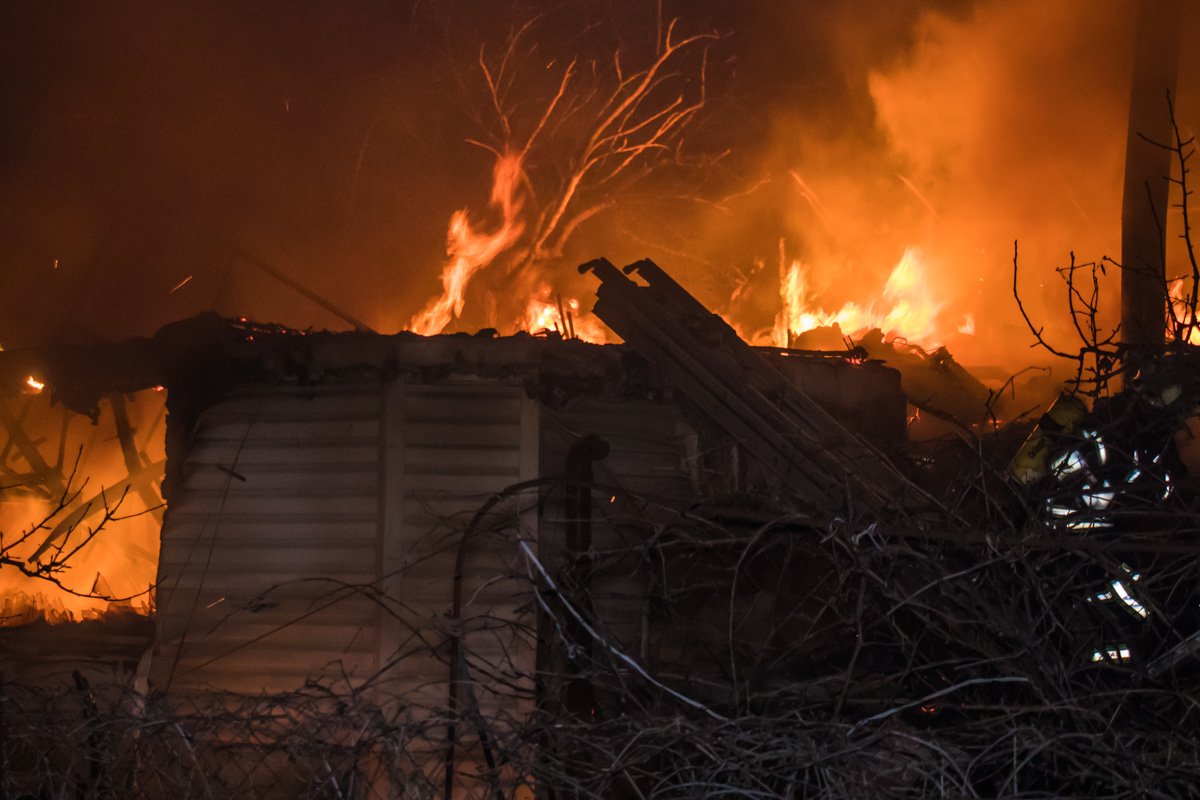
1180 314
121 561
471 250
544 313
910 312
35 386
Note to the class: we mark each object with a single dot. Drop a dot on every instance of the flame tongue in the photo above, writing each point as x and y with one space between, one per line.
471 250
914 312
911 311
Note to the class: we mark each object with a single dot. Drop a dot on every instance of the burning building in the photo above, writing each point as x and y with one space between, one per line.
343 507
527 545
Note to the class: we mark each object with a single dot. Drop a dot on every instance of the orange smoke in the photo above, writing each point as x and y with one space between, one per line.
992 123
471 250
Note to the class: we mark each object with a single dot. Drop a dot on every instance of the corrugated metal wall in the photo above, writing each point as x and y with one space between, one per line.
276 515
314 535
455 445
297 505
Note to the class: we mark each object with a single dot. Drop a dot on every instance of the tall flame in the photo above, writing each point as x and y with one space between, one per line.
910 311
471 250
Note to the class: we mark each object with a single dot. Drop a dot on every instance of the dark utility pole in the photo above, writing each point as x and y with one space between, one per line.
1147 170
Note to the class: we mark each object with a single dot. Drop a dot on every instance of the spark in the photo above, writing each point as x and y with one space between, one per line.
180 285
912 188
809 195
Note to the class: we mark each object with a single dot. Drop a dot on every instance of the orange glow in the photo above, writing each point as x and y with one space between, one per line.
543 313
1181 313
471 250
34 384
122 560
908 308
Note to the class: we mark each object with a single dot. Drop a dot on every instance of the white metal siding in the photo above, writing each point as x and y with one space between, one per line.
462 442
276 517
296 505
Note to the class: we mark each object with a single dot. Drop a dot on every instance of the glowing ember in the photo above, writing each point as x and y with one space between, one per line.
910 310
34 384
471 250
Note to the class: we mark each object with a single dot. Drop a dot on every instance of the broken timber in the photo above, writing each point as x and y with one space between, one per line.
785 430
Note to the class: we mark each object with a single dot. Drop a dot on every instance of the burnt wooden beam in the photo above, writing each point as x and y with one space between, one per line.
51 478
134 459
785 430
20 422
102 502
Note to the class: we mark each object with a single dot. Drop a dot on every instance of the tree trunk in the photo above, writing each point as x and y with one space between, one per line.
1147 170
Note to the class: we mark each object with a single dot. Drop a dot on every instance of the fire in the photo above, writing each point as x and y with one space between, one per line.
909 309
546 312
471 250
56 493
34 384
543 315
1180 314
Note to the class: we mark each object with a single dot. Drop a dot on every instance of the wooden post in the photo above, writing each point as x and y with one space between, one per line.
1147 170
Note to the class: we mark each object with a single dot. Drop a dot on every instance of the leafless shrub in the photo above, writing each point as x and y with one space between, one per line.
772 659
